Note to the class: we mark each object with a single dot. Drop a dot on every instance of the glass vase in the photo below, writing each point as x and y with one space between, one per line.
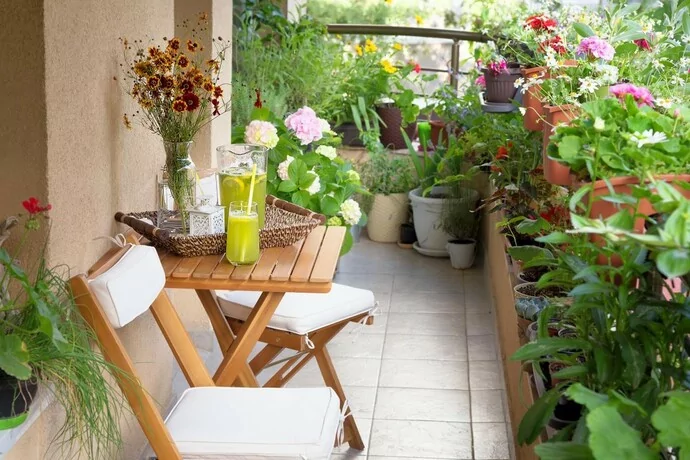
176 187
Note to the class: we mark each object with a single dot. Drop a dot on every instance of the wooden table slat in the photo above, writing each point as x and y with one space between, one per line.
263 269
170 262
206 266
286 262
186 267
243 272
307 257
223 270
324 268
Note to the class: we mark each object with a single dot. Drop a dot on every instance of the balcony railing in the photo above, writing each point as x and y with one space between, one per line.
456 36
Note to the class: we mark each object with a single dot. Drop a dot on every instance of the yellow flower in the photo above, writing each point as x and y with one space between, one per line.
418 19
370 46
397 47
387 66
358 50
388 2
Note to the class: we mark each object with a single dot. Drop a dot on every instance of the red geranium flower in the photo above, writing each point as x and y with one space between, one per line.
502 153
417 67
642 43
33 206
540 22
191 100
555 43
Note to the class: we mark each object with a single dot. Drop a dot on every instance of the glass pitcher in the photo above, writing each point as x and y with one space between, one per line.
235 163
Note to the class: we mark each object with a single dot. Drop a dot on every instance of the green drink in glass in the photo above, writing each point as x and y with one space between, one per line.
234 185
242 246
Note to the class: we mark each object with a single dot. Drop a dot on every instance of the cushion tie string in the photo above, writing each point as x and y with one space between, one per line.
374 312
345 412
309 343
118 240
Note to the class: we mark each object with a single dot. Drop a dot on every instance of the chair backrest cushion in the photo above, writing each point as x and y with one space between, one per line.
130 285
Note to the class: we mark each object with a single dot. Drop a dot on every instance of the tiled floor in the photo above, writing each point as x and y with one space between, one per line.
424 382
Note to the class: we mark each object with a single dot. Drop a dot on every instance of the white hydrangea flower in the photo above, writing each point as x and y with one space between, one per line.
315 186
599 124
325 126
608 73
327 151
350 212
353 175
648 137
283 168
261 133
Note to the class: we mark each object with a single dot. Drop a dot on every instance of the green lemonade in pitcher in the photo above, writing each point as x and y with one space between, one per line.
234 185
243 234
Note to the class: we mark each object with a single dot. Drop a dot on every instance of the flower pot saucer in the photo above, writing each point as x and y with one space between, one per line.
500 107
430 252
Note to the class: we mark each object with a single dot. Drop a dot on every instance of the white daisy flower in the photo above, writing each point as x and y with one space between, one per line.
648 137
588 85
519 83
665 103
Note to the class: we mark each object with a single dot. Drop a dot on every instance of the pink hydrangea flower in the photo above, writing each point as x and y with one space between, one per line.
305 125
480 81
641 95
595 48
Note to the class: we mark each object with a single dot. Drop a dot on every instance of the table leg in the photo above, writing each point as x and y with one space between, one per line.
224 334
235 361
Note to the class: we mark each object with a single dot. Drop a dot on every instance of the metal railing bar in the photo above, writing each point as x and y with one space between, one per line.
424 32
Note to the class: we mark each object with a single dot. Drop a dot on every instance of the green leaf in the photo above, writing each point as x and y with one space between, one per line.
569 147
306 180
571 372
583 30
301 198
297 170
635 364
556 238
348 242
527 253
673 423
537 416
549 346
14 357
563 451
611 438
673 262
329 206
591 288
287 186
586 397
533 226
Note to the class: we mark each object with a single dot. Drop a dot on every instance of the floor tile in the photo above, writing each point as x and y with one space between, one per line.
427 302
376 282
426 324
418 282
361 400
351 371
379 326
346 345
441 347
490 441
345 452
481 348
423 404
485 375
487 406
419 439
479 323
398 373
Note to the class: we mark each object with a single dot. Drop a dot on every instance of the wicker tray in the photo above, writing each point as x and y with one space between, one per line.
285 224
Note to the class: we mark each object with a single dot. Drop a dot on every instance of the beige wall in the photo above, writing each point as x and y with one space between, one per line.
63 140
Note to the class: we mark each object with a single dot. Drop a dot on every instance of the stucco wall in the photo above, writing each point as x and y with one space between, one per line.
64 141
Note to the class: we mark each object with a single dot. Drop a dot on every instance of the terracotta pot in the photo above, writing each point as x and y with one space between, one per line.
531 101
501 88
438 131
555 172
391 136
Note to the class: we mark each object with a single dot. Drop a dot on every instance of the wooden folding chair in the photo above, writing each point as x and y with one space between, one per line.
303 323
207 421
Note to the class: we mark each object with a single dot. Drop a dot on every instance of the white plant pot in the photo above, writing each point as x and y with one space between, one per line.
427 220
387 213
462 254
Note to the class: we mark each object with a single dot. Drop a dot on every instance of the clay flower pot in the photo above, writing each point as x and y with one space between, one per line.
531 101
501 88
391 136
555 172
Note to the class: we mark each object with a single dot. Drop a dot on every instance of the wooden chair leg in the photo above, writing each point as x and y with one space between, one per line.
352 435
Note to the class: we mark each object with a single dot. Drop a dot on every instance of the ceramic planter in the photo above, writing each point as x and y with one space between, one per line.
387 213
461 253
350 134
501 88
531 101
555 172
391 136
426 213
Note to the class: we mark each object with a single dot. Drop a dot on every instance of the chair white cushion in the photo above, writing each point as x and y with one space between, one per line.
301 313
129 287
255 423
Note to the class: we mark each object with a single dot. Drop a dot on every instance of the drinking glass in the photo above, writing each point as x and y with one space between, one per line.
243 233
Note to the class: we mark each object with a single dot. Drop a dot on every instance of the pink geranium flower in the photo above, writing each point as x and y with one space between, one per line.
480 81
595 48
305 125
497 67
641 95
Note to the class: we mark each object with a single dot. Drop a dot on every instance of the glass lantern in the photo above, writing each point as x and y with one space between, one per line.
206 219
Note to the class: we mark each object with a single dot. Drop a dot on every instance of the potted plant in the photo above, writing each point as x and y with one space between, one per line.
46 343
388 179
178 94
459 220
500 77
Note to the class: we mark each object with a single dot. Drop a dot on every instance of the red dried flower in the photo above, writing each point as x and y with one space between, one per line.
183 61
33 206
191 100
215 103
540 22
217 91
257 103
179 105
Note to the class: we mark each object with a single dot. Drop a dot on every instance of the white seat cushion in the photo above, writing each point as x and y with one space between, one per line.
301 313
255 423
